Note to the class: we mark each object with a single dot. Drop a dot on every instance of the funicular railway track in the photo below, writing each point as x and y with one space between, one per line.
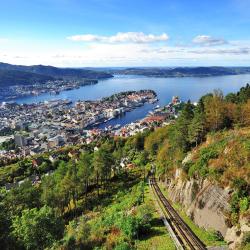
187 238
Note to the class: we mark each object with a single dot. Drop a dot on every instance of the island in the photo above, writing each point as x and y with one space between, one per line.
181 71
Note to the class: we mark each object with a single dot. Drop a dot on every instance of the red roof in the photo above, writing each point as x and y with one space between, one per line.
154 119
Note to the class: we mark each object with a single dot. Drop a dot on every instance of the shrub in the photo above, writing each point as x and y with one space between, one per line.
123 246
37 228
216 236
144 217
201 165
244 204
234 218
129 225
234 202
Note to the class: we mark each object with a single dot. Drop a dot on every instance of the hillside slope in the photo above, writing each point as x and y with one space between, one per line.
55 72
213 184
184 71
15 77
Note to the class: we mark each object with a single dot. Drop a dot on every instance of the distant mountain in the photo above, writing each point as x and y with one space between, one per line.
15 77
65 73
24 75
183 71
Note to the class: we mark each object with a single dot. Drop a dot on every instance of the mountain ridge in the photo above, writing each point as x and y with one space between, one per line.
23 75
15 77
183 71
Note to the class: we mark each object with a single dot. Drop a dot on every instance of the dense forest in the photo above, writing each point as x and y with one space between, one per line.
87 199
15 77
27 75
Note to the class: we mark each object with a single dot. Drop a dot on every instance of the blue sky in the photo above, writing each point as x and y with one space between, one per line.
125 33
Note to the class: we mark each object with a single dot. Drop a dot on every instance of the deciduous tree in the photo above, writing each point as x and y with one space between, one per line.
37 228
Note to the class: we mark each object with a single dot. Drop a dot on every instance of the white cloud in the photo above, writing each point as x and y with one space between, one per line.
120 37
127 54
228 51
206 40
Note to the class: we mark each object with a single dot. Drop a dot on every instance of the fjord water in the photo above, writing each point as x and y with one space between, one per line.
186 88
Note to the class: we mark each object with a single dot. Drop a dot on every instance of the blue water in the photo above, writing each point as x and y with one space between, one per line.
186 88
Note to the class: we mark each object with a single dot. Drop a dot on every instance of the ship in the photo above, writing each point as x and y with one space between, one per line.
117 126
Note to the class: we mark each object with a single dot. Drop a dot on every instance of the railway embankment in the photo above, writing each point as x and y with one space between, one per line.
208 205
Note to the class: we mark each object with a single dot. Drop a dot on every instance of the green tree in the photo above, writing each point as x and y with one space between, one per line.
231 97
25 196
179 131
244 94
61 187
155 140
37 228
68 185
117 156
6 239
84 170
139 141
215 111
102 164
196 129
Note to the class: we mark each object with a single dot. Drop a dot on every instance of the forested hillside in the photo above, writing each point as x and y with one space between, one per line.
86 198
15 77
29 75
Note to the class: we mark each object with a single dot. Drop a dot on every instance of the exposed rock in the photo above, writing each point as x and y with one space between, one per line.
234 235
207 205
218 248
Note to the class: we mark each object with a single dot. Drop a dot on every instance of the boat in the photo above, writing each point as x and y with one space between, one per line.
139 104
153 100
54 92
97 123
117 126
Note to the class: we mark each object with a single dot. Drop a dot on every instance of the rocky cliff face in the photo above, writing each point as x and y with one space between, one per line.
207 204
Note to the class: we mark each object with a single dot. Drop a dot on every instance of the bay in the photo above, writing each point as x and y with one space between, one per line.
185 87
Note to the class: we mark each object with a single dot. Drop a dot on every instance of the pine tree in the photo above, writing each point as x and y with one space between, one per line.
196 129
84 170
180 130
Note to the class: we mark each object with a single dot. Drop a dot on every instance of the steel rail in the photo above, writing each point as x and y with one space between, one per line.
191 240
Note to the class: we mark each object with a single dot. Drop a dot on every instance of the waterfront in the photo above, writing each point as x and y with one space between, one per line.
48 125
186 88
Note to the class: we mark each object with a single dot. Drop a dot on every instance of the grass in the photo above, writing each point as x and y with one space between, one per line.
116 202
206 236
158 238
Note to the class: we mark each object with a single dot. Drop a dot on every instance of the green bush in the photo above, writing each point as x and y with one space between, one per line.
234 218
37 228
144 217
205 154
215 236
129 226
123 246
244 204
234 202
